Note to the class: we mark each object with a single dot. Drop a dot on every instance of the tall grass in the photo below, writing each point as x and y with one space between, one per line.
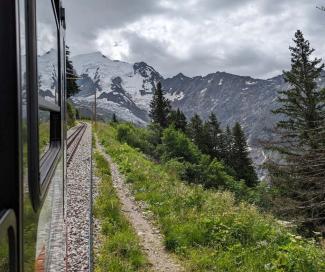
208 229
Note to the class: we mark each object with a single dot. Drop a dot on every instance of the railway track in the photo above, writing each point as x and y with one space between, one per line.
73 141
78 200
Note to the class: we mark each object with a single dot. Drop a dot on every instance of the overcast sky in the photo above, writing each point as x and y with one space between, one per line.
196 37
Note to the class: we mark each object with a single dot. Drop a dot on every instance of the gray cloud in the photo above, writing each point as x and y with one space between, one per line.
247 37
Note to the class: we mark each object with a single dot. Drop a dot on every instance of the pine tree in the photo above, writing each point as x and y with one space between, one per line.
302 104
241 162
227 143
214 137
159 107
198 133
114 118
177 119
300 176
77 114
72 86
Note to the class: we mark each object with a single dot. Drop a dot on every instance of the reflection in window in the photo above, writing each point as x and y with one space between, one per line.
44 131
4 254
47 51
50 245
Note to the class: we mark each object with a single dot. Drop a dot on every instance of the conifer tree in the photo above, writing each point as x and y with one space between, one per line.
72 86
177 119
300 175
227 146
77 114
214 137
241 162
159 107
198 133
114 118
302 104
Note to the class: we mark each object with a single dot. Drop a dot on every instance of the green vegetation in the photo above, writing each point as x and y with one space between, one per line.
71 115
160 107
208 229
229 147
72 86
242 163
4 255
114 118
175 148
119 249
299 177
44 136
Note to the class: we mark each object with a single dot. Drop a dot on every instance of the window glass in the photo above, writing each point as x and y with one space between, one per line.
50 242
4 254
44 131
47 51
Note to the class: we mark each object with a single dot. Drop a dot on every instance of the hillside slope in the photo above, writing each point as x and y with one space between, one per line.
209 230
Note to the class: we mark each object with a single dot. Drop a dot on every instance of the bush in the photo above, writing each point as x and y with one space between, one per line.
176 144
71 115
178 152
136 137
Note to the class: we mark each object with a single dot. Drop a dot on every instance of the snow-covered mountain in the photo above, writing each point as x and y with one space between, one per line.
126 90
48 75
121 88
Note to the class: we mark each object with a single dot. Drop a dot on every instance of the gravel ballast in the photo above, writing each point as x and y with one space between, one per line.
78 185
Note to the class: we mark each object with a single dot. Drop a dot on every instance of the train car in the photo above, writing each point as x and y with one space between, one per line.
33 135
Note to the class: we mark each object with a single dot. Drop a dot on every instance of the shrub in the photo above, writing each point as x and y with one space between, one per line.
136 137
176 144
182 156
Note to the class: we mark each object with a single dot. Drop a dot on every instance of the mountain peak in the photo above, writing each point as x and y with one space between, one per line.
97 55
181 76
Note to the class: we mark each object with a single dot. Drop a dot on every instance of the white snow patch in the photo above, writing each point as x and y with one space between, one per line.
220 82
109 106
250 82
202 92
175 96
210 80
244 89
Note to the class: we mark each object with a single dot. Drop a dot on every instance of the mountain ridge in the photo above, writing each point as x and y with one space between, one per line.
126 89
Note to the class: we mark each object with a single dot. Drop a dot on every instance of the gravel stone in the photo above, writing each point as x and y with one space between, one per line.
78 206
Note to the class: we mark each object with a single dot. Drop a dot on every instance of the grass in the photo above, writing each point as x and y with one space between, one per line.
119 249
44 137
208 229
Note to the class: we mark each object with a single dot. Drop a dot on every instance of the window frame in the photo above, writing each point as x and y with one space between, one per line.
41 170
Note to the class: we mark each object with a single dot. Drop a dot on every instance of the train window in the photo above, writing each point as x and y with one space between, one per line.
47 83
47 51
44 131
4 254
8 252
